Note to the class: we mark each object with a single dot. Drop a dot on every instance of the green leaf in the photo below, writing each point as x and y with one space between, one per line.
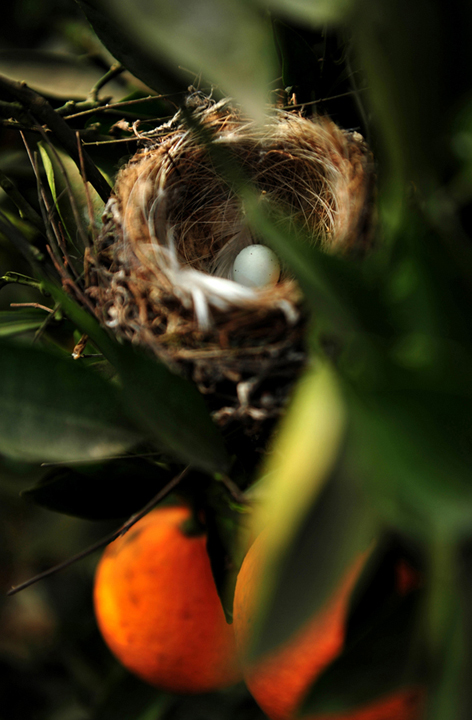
313 13
69 192
57 74
127 48
336 528
116 489
20 321
171 411
383 660
229 41
51 409
166 406
312 519
414 447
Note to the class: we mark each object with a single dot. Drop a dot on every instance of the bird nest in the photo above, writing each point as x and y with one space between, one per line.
163 268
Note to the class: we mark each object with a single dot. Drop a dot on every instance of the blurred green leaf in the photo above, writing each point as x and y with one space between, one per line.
385 659
53 410
115 489
114 32
167 407
414 447
57 74
314 13
16 322
312 518
335 529
229 41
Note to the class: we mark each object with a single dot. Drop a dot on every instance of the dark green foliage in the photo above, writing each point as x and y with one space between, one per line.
104 491
394 327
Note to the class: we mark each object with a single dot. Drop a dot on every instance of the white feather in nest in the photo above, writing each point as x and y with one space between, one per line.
180 226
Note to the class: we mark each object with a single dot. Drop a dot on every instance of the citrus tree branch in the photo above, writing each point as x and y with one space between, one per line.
45 114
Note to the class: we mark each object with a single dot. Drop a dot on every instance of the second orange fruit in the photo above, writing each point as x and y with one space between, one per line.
158 609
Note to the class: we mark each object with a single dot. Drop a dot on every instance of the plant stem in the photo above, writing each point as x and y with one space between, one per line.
44 113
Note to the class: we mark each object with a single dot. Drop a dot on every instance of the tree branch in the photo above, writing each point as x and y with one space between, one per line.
42 111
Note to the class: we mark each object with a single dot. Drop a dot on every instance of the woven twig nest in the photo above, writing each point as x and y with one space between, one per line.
174 227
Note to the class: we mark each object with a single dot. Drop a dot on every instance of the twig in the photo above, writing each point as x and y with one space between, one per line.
115 70
33 305
107 539
47 321
233 490
114 106
46 115
19 279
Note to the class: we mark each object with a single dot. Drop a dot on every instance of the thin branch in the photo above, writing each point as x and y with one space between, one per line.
33 305
107 539
113 106
113 72
19 279
47 321
46 115
233 490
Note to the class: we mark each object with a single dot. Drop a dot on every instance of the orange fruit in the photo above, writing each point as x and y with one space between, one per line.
280 679
158 609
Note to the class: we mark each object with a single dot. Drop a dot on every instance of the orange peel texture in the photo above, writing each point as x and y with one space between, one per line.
158 610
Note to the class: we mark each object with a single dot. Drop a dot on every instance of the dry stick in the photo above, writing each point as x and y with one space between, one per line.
46 115
107 539
33 305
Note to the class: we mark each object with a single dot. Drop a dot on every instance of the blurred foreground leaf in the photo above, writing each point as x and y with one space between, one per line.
54 410
229 41
384 660
313 13
313 522
56 74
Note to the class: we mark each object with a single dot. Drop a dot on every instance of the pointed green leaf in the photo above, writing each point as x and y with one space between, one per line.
51 409
116 489
312 519
171 411
167 407
20 321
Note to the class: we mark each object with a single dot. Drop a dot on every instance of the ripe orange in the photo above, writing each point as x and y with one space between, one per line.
279 680
158 609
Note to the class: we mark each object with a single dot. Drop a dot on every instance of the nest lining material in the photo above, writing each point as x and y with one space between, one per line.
173 228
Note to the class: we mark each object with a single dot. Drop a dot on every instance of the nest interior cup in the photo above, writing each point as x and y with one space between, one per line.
174 227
